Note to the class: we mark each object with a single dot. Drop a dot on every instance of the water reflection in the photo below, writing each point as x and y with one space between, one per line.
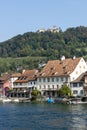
78 117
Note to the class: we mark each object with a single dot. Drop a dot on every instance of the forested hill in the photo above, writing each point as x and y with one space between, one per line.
47 44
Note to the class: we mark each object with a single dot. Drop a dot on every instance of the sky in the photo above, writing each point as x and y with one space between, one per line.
21 16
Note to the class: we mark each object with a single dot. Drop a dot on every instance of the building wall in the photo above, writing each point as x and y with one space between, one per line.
12 80
1 89
77 89
20 85
23 89
29 84
5 86
85 85
85 79
81 68
51 83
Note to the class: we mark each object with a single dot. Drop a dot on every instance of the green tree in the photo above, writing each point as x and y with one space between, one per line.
34 94
65 91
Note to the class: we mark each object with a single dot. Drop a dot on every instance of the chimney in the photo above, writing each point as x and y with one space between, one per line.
74 57
62 58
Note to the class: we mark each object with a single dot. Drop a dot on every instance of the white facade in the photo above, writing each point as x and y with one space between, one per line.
42 30
29 84
55 83
51 83
81 68
77 89
12 79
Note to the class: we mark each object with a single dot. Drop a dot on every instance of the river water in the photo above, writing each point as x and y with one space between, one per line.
27 116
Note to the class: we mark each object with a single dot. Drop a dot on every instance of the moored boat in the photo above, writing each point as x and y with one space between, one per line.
6 100
61 100
50 100
82 100
16 100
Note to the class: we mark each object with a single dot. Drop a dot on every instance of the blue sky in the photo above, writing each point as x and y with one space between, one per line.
20 16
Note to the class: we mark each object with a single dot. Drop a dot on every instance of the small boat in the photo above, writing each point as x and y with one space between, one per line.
61 100
50 100
6 100
16 100
82 100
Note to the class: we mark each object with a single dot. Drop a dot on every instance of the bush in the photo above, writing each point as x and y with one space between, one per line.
34 94
65 91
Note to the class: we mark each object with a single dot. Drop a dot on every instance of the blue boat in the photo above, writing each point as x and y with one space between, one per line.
50 100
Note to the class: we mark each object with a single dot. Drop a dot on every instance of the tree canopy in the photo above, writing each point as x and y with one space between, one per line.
71 42
43 46
65 91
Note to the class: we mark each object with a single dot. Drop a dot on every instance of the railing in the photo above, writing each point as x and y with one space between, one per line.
49 89
20 91
19 86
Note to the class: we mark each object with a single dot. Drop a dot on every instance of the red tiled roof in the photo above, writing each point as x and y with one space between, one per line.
59 68
28 75
15 74
5 77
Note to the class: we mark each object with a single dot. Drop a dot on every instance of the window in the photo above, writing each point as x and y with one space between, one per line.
75 92
73 78
80 84
57 79
43 79
74 84
48 86
20 89
39 80
53 86
48 79
44 87
61 78
81 91
15 89
57 86
52 79
66 79
40 86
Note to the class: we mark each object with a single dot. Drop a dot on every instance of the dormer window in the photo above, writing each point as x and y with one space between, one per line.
52 68
53 73
43 74
56 73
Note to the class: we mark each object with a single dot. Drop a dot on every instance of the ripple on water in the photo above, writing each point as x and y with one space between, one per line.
42 117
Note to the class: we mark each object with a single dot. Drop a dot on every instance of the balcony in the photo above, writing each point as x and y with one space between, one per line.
50 89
